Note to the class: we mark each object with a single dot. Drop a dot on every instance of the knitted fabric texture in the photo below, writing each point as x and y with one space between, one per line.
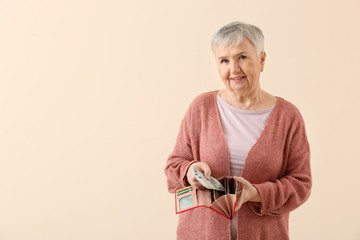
278 165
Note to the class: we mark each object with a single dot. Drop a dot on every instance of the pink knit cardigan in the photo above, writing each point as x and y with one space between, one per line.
278 165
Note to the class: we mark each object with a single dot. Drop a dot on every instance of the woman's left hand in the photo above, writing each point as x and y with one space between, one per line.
247 193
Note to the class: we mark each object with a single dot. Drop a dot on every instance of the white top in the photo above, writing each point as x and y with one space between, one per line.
241 128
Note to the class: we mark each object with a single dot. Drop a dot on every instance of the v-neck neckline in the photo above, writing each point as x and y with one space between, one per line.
268 122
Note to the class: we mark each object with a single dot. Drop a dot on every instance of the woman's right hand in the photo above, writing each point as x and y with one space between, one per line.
202 167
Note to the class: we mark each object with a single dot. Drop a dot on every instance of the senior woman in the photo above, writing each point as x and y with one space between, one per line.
246 132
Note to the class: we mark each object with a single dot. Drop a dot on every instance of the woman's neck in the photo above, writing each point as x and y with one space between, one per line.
251 101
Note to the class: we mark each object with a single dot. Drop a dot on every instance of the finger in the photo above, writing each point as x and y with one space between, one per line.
238 205
240 202
240 180
243 183
193 179
197 185
201 187
206 170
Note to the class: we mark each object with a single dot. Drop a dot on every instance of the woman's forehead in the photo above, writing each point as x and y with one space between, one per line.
233 49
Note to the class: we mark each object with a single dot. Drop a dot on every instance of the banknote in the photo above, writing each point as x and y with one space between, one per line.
212 183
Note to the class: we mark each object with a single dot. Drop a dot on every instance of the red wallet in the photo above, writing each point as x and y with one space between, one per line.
222 202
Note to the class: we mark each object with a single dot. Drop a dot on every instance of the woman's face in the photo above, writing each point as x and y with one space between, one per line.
239 66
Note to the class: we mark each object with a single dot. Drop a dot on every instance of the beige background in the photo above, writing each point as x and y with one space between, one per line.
92 94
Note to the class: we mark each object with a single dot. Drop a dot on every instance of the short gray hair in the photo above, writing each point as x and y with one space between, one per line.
232 33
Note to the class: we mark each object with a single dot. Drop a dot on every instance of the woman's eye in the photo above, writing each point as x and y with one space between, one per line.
222 61
242 57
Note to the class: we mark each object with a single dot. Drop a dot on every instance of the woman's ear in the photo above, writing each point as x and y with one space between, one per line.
262 60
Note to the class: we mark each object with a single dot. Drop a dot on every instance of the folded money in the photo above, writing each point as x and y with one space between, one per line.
212 183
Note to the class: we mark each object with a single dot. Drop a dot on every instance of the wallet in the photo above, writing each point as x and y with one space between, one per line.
222 202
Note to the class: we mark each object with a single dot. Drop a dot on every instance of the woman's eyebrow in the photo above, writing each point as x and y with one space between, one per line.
235 55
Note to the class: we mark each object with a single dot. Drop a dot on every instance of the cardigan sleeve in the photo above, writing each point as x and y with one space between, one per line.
181 157
293 189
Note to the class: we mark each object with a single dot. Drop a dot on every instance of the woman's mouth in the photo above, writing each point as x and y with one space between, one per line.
237 79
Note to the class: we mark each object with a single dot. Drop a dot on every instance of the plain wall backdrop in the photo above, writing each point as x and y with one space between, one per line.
92 94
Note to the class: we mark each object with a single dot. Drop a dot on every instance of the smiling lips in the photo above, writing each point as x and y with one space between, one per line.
237 79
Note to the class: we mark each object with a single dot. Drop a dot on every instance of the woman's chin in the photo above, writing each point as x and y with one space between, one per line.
237 86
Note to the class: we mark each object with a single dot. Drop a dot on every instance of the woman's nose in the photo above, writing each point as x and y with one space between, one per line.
234 67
